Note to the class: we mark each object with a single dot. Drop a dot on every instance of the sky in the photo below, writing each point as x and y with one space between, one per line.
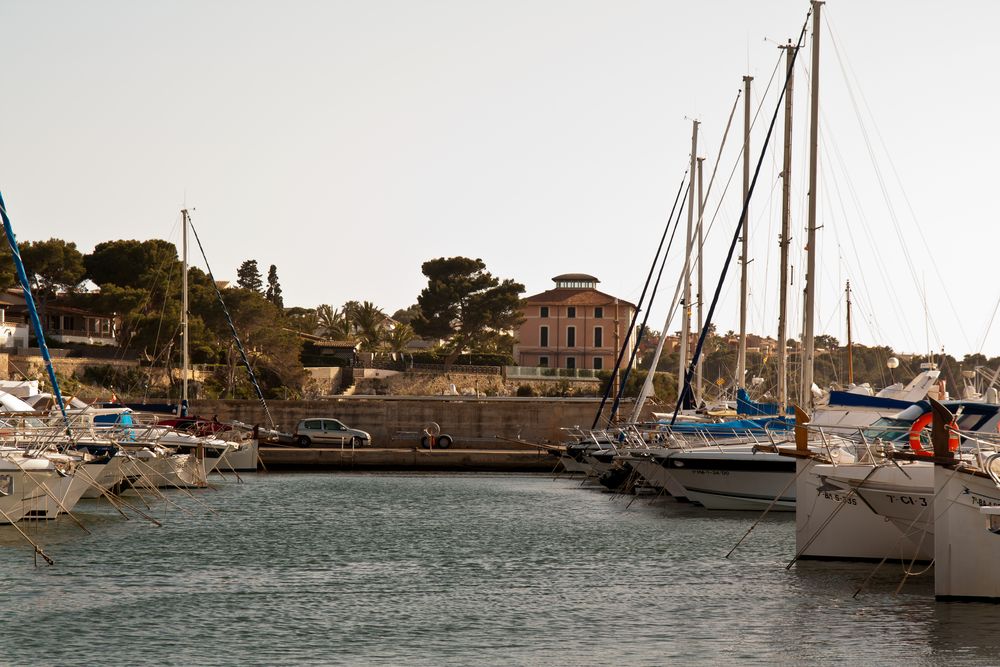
349 142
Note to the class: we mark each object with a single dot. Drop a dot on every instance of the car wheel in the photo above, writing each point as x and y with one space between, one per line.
444 442
357 442
304 441
425 442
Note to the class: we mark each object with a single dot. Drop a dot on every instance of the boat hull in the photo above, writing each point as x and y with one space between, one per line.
832 523
966 536
741 480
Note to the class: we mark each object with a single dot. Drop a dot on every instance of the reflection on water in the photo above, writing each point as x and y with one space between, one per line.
450 569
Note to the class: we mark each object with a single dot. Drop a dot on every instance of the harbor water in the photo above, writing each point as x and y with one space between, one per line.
395 569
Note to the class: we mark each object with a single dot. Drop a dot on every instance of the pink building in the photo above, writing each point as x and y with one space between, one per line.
573 326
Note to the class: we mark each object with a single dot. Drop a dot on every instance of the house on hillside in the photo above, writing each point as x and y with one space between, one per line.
62 323
573 326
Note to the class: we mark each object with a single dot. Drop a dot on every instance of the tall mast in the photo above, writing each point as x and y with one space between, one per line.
850 341
686 317
741 356
185 361
785 239
809 310
701 279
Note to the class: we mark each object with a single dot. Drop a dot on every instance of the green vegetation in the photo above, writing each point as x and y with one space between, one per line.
248 277
466 305
471 312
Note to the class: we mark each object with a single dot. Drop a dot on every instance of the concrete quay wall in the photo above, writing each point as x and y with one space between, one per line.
365 458
395 421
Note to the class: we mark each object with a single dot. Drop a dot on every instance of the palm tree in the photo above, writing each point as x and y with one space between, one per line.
367 319
333 323
398 339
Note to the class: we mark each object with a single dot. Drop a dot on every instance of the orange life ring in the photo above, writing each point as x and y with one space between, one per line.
920 424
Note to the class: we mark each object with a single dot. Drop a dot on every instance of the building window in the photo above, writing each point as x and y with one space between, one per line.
570 336
543 311
543 362
598 363
598 336
598 313
570 362
571 311
543 337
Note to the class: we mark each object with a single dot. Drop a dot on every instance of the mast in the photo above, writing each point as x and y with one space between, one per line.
809 309
784 240
850 341
686 315
699 375
185 361
741 356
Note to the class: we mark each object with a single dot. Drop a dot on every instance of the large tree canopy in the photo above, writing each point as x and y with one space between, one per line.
132 263
55 263
248 276
467 305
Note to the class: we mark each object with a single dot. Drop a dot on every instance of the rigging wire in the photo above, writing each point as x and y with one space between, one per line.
232 328
882 184
649 307
740 226
639 306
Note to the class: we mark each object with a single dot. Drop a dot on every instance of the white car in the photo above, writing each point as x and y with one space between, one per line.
322 430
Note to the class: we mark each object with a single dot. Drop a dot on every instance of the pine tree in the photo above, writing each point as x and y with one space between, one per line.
248 276
273 293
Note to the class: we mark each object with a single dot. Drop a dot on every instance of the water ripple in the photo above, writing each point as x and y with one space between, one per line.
454 570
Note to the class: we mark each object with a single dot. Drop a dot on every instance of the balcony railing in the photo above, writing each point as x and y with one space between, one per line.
546 373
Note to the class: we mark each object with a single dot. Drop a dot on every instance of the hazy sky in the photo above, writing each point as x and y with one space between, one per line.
348 142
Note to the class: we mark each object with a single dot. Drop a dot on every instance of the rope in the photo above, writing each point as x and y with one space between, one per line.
232 329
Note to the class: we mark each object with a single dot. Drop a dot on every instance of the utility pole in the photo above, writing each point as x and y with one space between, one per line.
784 240
741 356
809 309
686 315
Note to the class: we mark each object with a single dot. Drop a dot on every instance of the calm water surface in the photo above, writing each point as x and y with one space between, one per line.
458 570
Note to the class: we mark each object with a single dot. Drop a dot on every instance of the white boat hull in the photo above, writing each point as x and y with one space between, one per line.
741 479
62 495
658 476
966 548
18 488
831 523
102 477
242 459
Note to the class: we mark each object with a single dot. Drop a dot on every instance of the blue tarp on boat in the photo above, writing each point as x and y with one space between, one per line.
846 398
746 406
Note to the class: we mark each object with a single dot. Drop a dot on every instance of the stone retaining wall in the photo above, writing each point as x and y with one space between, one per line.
471 421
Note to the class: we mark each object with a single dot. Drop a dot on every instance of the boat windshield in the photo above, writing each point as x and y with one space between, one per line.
889 429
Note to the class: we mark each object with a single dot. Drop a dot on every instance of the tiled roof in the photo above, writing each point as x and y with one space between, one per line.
575 297
336 344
